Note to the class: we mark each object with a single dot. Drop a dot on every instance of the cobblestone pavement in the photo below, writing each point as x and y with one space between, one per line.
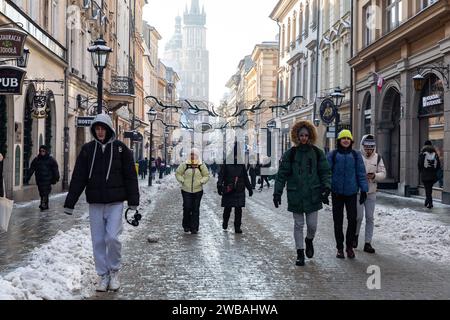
260 263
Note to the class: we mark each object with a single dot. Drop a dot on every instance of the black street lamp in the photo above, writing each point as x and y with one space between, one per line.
337 96
166 135
151 117
99 53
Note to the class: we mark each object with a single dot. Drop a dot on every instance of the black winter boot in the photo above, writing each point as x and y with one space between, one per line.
45 203
41 205
368 248
355 241
350 253
300 257
309 248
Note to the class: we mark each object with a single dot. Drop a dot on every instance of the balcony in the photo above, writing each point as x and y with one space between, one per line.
121 92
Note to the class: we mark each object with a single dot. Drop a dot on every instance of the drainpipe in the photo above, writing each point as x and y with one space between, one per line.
317 62
65 180
351 68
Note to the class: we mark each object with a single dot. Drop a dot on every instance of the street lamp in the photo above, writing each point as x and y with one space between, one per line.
22 62
337 96
151 117
99 54
166 135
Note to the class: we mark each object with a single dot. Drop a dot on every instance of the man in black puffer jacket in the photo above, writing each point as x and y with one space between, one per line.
105 167
46 171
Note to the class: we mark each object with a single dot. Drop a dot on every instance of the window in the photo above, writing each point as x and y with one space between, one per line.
337 68
292 89
288 41
394 11
54 15
306 25
368 24
300 24
367 113
305 79
426 3
312 78
299 75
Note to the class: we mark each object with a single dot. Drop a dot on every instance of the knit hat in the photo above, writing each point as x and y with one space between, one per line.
43 147
428 143
345 134
369 142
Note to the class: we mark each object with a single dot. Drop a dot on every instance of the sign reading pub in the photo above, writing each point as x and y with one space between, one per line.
12 42
11 79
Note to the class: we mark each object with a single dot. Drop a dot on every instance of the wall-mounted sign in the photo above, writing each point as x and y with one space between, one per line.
84 121
11 79
133 135
12 42
271 124
432 100
327 111
39 109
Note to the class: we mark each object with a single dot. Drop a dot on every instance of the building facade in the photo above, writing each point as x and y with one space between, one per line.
394 42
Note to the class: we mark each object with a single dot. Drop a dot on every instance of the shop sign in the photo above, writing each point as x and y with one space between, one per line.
11 79
432 100
84 121
12 42
327 111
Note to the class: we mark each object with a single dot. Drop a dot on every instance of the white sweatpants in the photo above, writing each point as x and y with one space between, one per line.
106 226
367 209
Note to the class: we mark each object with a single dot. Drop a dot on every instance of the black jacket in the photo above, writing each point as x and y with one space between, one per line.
227 176
45 169
429 173
120 185
1 180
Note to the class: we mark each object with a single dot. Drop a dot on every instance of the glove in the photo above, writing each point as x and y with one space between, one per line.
68 211
276 200
362 197
324 196
219 190
250 192
134 208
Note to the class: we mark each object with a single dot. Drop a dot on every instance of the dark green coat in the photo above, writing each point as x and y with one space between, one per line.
306 178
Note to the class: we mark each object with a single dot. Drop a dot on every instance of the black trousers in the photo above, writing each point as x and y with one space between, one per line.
44 190
339 201
428 191
266 179
253 179
191 210
237 216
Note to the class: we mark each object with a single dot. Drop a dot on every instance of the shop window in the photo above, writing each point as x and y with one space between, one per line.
432 120
367 114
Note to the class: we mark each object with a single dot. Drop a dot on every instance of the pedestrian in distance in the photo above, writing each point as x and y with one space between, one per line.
46 171
231 185
375 172
429 165
105 169
251 168
192 175
348 177
305 170
260 171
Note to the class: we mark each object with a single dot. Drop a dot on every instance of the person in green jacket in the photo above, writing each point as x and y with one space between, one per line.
306 171
192 175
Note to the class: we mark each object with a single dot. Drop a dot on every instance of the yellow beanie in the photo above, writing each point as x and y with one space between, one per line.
345 134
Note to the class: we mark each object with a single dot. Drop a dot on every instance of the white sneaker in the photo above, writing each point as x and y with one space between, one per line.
103 283
114 283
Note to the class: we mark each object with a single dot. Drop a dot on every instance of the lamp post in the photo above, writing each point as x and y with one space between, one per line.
151 117
99 54
166 135
337 96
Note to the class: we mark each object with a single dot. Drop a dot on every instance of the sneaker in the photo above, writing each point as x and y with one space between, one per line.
114 282
300 258
350 253
368 248
187 230
103 283
340 254
239 230
309 248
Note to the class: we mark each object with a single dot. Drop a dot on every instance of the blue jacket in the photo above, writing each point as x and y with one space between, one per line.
346 180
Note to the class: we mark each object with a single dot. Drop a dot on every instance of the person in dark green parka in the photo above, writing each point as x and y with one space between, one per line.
305 170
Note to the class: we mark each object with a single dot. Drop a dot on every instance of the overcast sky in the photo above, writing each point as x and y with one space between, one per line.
233 29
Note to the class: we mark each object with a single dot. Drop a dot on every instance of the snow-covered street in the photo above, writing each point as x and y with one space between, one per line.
56 262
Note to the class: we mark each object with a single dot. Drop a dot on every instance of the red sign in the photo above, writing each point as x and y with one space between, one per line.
11 80
12 42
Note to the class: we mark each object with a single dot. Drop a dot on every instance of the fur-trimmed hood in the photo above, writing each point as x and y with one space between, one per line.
308 125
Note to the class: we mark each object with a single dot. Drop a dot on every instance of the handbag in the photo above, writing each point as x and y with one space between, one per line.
6 206
230 188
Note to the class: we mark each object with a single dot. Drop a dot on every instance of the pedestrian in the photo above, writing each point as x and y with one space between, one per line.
305 169
429 165
348 177
144 166
214 168
105 168
192 175
231 185
251 168
2 192
46 172
260 170
375 172
153 168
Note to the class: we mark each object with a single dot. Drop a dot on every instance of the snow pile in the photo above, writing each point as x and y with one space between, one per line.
60 269
64 268
418 234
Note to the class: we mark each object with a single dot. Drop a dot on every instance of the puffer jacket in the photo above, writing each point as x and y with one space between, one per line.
348 175
192 176
45 169
428 169
373 166
307 176
107 171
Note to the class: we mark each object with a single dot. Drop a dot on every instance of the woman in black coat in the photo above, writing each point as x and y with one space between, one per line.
231 185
